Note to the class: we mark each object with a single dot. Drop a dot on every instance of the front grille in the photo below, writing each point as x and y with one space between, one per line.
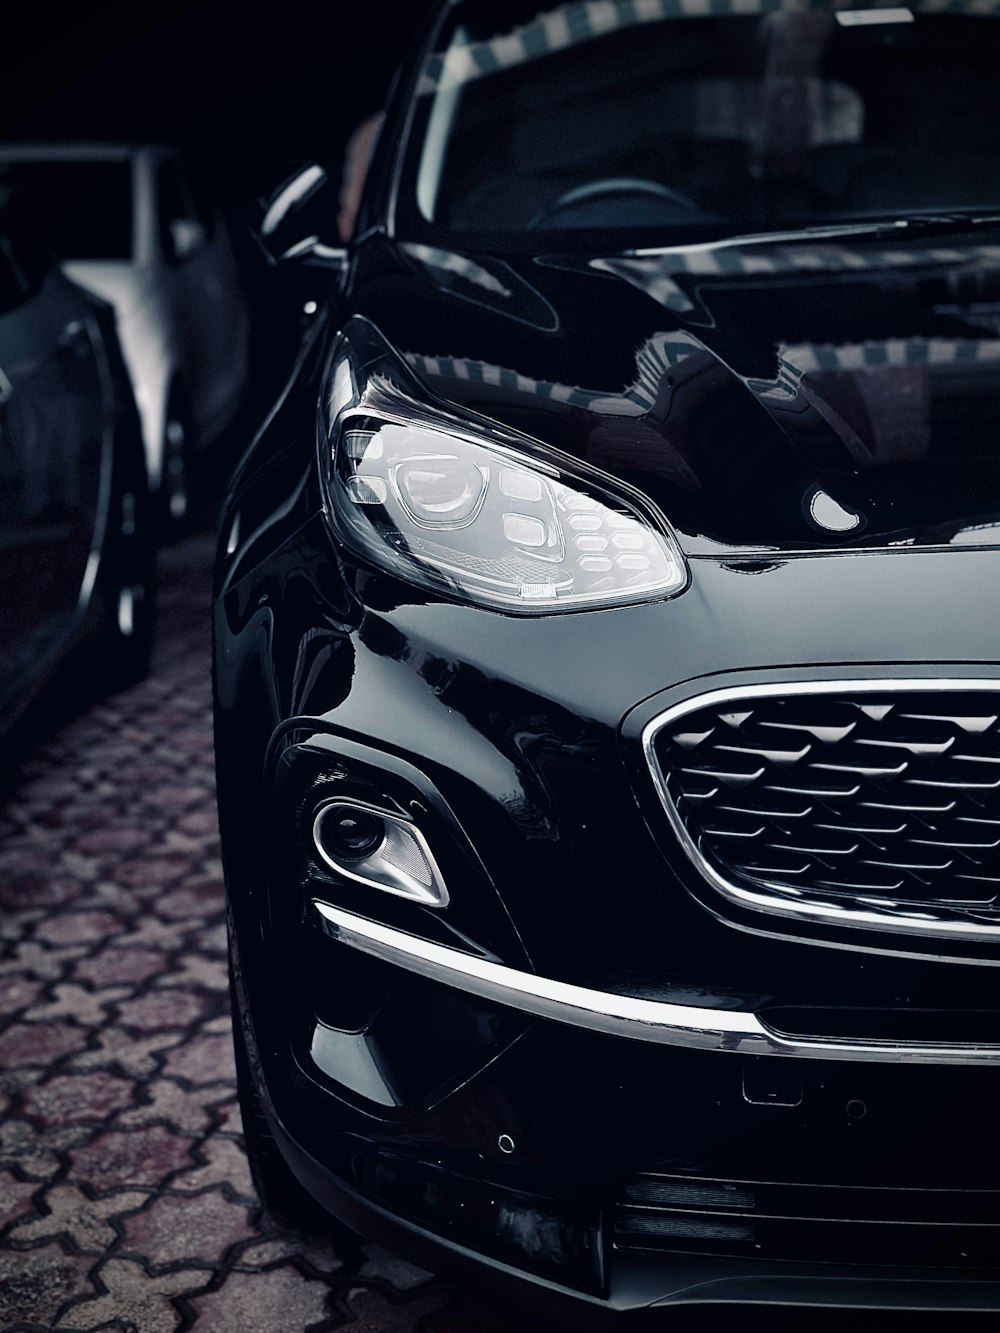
870 798
833 1224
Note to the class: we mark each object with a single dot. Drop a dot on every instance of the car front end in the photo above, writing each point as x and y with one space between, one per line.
608 731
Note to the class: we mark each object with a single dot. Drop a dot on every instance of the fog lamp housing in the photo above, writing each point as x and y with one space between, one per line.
380 849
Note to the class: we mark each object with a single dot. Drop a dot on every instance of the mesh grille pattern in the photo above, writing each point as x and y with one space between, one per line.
893 798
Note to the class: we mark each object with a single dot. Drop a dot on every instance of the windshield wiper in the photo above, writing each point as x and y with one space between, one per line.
882 228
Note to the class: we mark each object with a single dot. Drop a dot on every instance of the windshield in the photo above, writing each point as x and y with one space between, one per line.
75 209
612 114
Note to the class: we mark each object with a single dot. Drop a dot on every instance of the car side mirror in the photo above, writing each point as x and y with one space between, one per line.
297 218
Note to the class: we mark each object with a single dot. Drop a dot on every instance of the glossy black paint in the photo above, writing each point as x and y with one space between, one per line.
824 447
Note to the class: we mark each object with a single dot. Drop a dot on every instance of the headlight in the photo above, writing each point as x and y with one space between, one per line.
482 514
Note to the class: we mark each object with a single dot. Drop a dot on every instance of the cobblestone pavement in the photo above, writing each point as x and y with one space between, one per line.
125 1200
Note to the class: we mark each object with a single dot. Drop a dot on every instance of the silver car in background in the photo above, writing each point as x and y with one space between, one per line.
76 532
132 225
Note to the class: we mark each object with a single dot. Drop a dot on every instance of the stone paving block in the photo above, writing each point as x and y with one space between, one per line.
263 1301
112 965
17 993
156 871
224 1164
78 1003
69 1215
26 891
69 1097
15 1197
190 1110
114 842
177 1228
198 971
35 1284
36 1153
143 1156
133 1295
159 1009
117 1048
192 902
151 934
78 927
200 823
203 1059
40 1043
30 959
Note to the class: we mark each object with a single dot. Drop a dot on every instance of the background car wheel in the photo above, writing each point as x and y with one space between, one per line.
127 584
175 477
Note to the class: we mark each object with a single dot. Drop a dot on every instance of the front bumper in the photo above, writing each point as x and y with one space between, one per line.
605 1151
604 1146
594 1176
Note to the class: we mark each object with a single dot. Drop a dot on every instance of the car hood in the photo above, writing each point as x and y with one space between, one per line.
769 397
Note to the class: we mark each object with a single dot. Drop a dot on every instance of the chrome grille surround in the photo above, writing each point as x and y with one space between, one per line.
780 794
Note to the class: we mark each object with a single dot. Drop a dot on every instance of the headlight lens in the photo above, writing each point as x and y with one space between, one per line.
483 520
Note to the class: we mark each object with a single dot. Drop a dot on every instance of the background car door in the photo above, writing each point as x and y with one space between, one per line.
208 302
51 446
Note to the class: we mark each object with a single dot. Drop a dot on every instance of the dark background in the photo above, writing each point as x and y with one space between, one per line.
251 91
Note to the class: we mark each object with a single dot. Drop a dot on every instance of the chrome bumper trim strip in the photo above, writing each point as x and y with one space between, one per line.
618 1015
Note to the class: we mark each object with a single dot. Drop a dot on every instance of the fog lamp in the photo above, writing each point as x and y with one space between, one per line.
382 850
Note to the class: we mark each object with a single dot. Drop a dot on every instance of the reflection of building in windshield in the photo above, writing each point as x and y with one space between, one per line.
671 114
757 110
571 25
556 30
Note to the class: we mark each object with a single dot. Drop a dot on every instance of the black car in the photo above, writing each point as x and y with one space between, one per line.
607 665
76 576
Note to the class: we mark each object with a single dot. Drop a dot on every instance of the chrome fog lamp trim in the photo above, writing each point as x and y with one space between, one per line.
812 906
377 869
657 1021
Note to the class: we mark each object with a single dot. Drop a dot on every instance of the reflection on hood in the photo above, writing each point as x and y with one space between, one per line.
660 276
